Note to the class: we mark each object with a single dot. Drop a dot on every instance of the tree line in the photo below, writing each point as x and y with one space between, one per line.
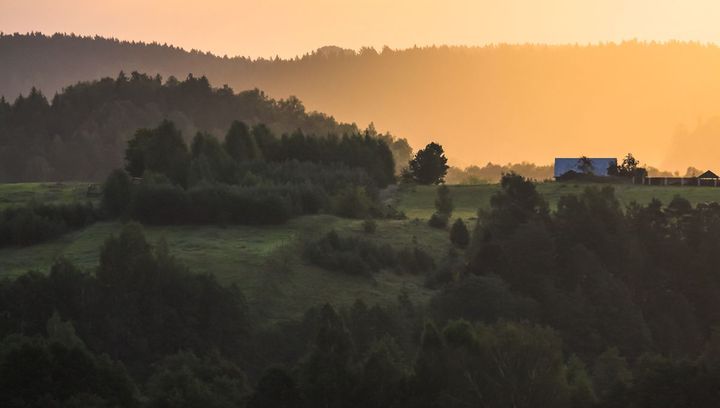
81 133
251 177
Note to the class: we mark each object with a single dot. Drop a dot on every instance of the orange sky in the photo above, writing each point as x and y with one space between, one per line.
679 91
291 27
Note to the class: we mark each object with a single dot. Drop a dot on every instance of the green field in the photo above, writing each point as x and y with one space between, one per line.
265 262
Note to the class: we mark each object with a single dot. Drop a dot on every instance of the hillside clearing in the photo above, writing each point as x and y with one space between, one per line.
266 262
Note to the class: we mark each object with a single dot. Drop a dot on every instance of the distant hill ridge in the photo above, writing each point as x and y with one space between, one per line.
501 103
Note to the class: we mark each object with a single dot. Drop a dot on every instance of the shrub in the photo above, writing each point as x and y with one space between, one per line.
438 220
459 234
369 226
352 255
33 224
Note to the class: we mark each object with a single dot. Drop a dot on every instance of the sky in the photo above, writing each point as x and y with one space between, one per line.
286 28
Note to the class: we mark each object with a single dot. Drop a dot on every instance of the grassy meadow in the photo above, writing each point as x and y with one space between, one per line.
266 262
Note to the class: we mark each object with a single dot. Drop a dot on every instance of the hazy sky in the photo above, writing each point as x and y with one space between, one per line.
293 27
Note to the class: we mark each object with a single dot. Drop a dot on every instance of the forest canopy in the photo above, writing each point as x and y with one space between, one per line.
81 133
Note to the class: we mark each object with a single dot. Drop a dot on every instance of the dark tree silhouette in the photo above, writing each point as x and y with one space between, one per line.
585 165
459 234
629 167
429 165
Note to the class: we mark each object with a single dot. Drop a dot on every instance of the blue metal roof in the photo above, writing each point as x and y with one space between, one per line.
599 165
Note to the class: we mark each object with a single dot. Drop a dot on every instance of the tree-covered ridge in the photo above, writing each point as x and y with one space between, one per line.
81 134
501 103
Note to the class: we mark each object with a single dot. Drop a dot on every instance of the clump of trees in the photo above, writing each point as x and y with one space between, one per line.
607 263
162 150
630 167
251 178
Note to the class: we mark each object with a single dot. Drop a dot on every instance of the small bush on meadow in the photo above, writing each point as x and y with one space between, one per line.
438 220
459 234
352 255
369 226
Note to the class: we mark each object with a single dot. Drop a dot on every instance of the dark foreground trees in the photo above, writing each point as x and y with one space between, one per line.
589 304
141 330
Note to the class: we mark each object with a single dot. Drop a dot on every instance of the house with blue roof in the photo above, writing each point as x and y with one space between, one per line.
601 167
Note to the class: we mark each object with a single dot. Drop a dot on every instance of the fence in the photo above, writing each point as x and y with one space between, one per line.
679 181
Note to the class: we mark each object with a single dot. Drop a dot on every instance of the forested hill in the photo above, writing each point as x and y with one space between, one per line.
507 103
82 132
52 63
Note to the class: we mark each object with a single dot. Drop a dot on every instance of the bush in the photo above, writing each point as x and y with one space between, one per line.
352 255
33 224
369 226
438 220
459 234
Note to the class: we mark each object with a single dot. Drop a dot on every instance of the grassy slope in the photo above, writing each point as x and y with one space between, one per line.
265 262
